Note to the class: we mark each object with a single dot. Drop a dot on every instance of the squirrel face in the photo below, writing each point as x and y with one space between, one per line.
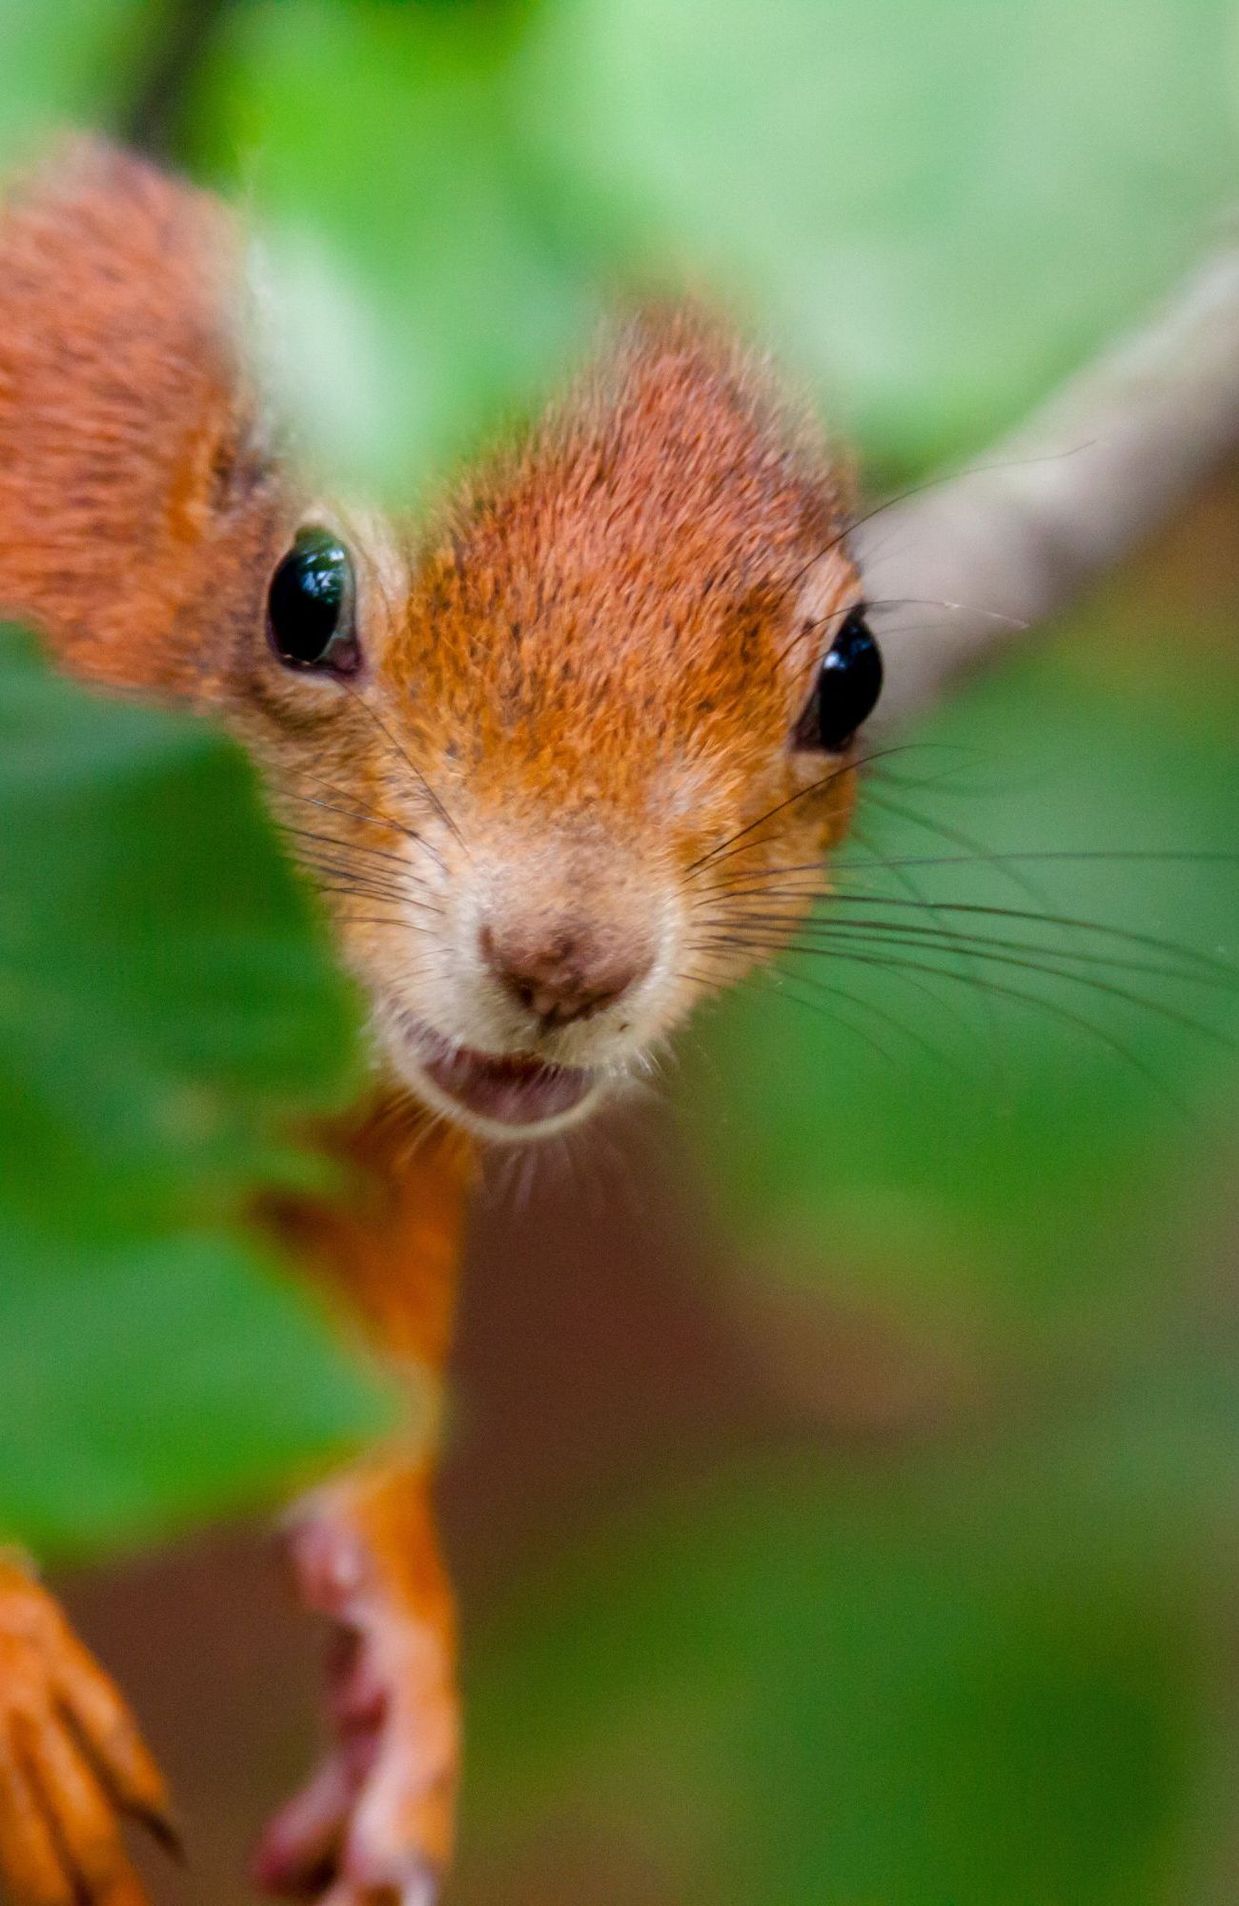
549 762
561 762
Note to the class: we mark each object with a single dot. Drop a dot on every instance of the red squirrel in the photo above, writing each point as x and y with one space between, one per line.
533 751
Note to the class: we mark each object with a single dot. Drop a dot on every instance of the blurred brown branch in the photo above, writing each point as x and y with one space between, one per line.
992 553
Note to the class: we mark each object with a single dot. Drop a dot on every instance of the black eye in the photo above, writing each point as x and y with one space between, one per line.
310 605
847 689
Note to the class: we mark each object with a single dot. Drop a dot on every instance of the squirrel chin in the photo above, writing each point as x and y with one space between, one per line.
505 1098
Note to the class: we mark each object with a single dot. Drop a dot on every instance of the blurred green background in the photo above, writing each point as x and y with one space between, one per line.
845 1470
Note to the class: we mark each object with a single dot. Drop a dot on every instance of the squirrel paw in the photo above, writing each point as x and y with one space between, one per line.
373 1826
72 1763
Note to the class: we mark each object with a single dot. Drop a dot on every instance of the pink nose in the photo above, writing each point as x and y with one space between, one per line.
563 976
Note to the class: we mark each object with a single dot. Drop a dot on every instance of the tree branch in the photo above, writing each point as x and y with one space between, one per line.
1000 548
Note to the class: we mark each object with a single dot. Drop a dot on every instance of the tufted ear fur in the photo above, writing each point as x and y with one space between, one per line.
138 510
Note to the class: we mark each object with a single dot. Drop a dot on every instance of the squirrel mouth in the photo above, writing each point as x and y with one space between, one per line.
513 1090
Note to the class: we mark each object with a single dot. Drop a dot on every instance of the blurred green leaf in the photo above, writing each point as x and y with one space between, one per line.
934 209
68 64
1008 1126
934 212
421 284
918 1686
166 1006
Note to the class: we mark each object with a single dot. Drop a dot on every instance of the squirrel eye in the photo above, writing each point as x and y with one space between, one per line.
310 605
846 691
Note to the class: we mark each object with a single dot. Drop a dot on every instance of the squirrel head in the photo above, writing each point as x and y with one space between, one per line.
562 760
567 761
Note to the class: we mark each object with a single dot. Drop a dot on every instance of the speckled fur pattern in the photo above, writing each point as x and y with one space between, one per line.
137 501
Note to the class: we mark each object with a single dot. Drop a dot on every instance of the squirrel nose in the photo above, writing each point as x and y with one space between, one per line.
563 976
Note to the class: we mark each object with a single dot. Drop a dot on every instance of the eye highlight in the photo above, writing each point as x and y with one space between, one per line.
846 691
310 605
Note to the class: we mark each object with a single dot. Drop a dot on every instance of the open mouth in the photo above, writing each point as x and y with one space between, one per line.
513 1089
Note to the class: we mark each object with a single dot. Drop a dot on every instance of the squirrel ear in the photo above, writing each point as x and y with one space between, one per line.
138 506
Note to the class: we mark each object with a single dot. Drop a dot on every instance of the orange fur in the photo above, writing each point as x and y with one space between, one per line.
136 502
69 1757
561 757
364 1549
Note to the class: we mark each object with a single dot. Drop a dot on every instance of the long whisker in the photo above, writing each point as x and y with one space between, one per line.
956 837
384 920
339 880
932 483
871 605
393 912
767 878
779 989
396 904
372 816
324 850
906 933
1154 856
403 755
339 870
734 843
390 867
339 875
354 847
778 980
1054 1008
1221 970
844 943
915 894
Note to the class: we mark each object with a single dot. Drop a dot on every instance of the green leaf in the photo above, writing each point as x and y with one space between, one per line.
167 1010
916 1687
932 212
421 285
68 65
935 209
157 1382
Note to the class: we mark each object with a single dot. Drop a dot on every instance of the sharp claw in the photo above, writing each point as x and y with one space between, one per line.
163 1829
78 1808
71 1761
96 1711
